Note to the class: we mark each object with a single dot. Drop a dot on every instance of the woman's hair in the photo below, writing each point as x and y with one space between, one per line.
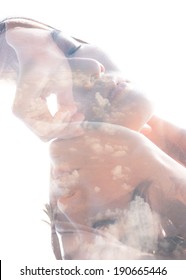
8 57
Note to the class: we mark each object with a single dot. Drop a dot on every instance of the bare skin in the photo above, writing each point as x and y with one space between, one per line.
80 182
99 164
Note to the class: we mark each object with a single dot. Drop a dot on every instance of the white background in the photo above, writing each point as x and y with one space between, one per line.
146 38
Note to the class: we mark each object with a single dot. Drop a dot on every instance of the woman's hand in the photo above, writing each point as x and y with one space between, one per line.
111 164
168 137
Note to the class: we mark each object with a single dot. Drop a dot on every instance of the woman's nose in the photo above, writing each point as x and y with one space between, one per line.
85 70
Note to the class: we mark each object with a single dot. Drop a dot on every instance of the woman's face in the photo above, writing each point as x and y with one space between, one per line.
84 75
99 89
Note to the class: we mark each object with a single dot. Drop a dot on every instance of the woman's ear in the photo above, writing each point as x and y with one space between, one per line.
13 37
19 42
28 42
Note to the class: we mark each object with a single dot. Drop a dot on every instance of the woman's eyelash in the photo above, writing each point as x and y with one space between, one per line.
103 223
54 34
73 50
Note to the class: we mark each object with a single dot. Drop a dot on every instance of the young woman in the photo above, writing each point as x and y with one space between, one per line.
113 193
